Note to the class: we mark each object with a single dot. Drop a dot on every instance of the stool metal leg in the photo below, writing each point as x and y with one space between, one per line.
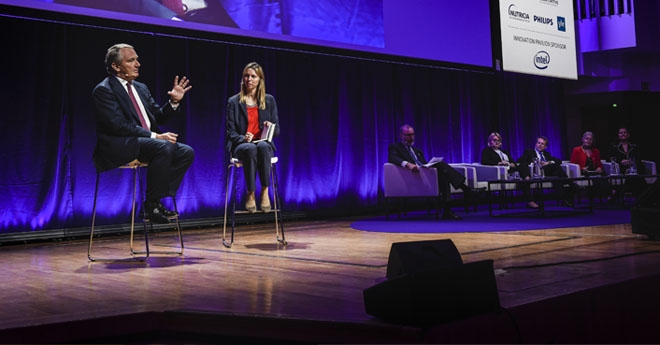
177 225
279 224
91 233
231 196
231 172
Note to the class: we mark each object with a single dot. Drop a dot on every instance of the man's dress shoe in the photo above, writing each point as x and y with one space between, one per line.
155 212
450 215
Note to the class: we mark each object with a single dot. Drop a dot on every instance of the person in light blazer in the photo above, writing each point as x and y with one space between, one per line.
494 154
128 129
250 112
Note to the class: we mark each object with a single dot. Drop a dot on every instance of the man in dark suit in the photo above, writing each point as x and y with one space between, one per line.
551 167
404 154
127 119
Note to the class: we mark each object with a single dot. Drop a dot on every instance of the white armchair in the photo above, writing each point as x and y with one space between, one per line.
649 167
468 172
399 183
651 170
484 173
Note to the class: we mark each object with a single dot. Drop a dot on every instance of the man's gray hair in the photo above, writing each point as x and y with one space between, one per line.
113 55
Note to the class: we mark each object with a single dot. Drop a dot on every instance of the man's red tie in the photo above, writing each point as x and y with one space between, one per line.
143 122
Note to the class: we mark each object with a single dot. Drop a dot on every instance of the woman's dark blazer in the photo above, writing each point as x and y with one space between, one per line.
490 157
236 121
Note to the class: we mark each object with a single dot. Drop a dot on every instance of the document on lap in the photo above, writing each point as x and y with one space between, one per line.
433 161
267 133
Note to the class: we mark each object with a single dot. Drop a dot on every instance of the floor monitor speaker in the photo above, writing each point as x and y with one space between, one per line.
645 214
650 197
410 257
435 296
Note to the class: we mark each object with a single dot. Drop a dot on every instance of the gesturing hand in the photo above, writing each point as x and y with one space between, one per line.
179 89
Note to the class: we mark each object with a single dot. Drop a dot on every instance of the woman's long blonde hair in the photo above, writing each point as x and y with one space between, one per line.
261 88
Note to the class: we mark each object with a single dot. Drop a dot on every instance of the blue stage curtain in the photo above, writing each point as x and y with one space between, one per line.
338 115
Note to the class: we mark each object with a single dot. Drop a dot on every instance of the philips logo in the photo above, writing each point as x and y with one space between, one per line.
561 23
543 20
541 60
515 14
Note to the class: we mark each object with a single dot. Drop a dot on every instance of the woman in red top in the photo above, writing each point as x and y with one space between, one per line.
250 112
587 156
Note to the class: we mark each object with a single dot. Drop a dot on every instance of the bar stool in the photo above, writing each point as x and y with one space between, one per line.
134 165
232 192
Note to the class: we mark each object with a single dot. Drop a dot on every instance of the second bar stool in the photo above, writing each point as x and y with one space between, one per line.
231 193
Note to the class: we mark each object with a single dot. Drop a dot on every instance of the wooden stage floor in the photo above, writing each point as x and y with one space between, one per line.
572 285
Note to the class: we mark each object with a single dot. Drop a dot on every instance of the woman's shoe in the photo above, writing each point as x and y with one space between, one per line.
265 200
532 204
251 204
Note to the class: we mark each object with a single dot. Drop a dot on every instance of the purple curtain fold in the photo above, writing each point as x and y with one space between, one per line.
338 115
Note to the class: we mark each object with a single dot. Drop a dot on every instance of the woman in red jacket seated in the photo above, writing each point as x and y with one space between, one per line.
588 158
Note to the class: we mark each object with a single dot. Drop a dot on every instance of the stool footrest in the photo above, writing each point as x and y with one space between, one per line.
173 221
231 194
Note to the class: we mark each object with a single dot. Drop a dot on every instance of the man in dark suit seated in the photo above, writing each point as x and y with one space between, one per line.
127 128
551 167
404 154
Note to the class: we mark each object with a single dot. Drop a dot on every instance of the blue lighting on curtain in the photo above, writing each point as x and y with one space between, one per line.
338 116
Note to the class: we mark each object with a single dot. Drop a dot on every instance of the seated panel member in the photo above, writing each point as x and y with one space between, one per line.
404 154
493 154
249 113
551 167
587 156
127 128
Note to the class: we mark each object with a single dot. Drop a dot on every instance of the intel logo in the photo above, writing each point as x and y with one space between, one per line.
542 60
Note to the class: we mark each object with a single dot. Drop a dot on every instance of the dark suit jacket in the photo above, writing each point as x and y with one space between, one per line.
634 153
530 154
397 153
490 157
117 122
237 120
550 170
